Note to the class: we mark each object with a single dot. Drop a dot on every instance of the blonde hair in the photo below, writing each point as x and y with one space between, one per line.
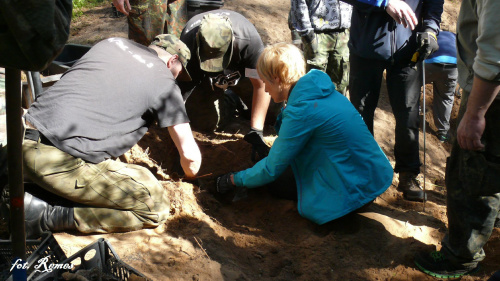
284 61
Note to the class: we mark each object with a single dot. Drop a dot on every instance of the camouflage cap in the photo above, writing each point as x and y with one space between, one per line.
175 46
215 42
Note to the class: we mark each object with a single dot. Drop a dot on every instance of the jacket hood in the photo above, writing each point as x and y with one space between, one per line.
314 85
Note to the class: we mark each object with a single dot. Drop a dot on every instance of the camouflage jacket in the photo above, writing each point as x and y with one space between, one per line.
320 15
33 32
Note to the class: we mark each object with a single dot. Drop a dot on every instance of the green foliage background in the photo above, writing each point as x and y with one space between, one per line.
79 5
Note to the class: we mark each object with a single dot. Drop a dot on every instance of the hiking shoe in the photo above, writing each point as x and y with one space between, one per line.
410 187
437 265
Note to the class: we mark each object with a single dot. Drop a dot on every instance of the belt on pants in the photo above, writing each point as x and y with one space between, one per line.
330 30
34 135
445 65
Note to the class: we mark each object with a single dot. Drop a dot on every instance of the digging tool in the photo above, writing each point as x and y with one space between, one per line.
420 55
424 125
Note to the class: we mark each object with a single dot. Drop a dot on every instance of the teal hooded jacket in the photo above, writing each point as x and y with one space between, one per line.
338 165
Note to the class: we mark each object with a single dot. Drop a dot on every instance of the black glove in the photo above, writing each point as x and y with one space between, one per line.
224 184
311 39
309 36
259 147
296 38
427 44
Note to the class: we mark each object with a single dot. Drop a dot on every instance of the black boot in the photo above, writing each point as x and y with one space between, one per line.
40 216
411 188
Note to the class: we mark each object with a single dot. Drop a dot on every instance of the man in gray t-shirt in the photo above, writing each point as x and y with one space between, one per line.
100 108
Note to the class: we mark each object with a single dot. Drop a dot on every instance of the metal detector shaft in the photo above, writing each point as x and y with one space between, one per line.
423 127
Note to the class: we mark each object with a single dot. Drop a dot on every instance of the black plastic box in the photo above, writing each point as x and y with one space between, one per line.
98 259
46 247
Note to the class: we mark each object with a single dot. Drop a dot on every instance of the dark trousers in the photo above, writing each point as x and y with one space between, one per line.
473 192
403 88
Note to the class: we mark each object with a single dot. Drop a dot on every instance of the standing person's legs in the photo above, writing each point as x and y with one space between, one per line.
403 88
146 20
338 60
473 193
473 202
364 86
293 33
176 17
119 196
444 82
316 52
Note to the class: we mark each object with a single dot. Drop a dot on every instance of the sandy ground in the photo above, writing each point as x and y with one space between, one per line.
262 238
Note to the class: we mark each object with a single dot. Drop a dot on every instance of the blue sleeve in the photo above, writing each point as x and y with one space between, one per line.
368 5
447 52
294 134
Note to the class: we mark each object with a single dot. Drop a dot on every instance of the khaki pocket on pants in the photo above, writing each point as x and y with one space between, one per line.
125 187
45 160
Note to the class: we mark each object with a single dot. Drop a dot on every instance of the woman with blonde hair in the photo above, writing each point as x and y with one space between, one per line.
337 164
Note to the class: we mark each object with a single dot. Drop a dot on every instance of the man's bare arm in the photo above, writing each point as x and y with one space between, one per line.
471 127
260 104
402 13
122 6
189 151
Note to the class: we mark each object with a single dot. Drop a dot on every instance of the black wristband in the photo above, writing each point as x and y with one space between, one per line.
259 132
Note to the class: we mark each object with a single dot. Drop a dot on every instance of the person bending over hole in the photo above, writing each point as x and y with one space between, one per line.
101 107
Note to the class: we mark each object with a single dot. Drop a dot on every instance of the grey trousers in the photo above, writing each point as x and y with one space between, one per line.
444 81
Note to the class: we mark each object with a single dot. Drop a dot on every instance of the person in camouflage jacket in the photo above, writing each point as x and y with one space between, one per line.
324 28
146 19
33 33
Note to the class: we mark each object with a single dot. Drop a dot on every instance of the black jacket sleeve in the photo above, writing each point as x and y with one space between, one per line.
364 7
431 14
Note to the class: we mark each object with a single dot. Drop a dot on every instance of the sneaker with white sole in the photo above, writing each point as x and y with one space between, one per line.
437 265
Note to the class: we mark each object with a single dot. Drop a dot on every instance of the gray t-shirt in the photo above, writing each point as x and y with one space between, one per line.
104 104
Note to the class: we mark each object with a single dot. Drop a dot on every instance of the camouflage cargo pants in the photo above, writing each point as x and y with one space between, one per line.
331 56
473 192
149 18
293 33
117 196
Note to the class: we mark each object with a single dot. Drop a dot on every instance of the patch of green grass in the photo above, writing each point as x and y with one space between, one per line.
79 5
